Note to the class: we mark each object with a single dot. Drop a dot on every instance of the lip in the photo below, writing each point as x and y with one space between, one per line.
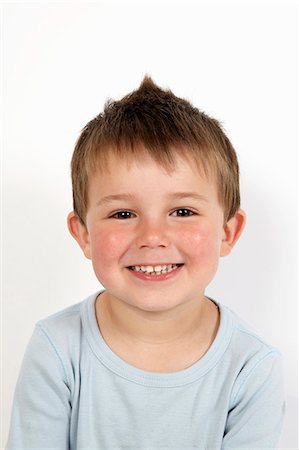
163 277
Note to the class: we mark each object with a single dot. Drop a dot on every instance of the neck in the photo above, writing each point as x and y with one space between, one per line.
158 329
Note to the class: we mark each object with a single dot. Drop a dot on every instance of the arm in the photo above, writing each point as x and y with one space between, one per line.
257 410
41 407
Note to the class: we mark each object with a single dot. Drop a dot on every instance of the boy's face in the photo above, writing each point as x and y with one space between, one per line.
154 227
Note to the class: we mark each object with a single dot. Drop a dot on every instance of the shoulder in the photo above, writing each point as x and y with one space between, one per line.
245 338
64 324
253 360
57 342
68 317
64 329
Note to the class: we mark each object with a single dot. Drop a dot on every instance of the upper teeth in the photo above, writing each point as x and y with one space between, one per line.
151 269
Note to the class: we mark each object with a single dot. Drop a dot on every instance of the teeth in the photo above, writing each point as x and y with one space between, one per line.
155 270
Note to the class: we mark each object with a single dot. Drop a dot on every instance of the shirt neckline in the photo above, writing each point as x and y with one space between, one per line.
154 379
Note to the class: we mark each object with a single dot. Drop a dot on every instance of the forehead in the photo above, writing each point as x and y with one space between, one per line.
144 174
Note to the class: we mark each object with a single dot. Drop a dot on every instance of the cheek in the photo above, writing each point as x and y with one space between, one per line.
107 245
200 242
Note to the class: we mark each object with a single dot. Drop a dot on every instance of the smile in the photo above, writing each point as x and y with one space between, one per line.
155 270
153 273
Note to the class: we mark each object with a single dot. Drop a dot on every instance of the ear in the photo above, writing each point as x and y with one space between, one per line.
232 231
79 232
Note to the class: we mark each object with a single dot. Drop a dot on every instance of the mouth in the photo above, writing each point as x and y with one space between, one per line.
155 269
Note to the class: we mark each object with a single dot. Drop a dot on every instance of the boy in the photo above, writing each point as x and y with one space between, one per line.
150 362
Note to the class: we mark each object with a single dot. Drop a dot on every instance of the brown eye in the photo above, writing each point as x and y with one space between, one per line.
183 212
122 215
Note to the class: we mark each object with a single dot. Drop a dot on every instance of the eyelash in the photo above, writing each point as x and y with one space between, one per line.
124 211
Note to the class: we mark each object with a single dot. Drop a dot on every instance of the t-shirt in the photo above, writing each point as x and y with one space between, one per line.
74 392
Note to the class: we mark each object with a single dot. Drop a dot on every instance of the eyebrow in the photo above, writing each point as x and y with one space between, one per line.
172 195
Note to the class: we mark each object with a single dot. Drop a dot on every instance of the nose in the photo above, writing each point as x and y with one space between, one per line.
152 234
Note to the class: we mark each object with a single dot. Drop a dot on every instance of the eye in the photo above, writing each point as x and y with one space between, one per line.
121 215
183 212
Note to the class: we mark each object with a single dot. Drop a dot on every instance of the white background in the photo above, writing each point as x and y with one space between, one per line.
61 61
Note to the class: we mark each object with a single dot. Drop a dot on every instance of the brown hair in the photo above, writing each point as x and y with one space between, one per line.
165 125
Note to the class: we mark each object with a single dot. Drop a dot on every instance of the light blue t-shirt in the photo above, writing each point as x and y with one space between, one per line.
74 392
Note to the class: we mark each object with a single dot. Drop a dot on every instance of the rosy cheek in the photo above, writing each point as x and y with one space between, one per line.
198 241
108 245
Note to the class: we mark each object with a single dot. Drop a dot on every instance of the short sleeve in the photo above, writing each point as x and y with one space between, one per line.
41 407
256 415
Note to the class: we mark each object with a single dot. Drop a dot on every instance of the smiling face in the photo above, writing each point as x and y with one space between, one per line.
162 219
